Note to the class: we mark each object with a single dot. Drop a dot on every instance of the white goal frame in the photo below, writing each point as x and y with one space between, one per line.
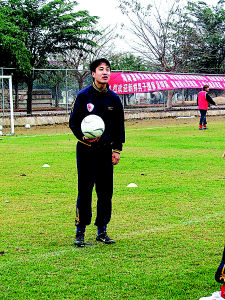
9 77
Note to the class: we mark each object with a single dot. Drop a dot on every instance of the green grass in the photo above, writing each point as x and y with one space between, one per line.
169 230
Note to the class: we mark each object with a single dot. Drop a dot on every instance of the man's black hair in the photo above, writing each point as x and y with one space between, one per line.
97 62
205 87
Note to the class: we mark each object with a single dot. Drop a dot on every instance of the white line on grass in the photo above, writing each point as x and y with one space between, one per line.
39 135
38 257
56 134
185 223
152 128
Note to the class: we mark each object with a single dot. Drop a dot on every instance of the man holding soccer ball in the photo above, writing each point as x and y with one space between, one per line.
96 156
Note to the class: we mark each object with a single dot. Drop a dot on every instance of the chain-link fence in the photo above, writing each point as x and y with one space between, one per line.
52 89
56 89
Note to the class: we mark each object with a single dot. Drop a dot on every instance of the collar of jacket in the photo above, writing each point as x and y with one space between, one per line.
99 90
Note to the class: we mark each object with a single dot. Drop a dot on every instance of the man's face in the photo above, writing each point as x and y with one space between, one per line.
207 89
101 74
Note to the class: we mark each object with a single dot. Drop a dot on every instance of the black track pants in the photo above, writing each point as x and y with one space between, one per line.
203 117
94 166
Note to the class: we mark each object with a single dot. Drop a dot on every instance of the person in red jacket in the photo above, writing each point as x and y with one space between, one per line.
203 103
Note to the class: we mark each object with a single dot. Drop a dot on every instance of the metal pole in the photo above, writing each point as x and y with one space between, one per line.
3 96
66 92
11 105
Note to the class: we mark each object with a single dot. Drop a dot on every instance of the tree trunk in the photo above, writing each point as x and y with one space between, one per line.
183 97
80 78
125 99
81 83
56 96
29 96
169 99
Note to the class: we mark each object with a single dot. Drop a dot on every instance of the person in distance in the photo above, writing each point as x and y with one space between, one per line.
203 102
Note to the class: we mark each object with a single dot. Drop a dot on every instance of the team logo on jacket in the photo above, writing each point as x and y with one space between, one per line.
90 107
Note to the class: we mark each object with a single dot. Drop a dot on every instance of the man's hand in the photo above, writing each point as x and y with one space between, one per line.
87 139
115 158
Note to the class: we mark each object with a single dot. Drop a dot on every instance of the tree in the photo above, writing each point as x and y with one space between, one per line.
13 51
78 59
50 27
164 40
128 62
208 25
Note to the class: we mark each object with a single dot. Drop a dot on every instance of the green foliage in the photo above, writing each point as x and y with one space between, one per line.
42 28
129 62
208 27
13 50
45 27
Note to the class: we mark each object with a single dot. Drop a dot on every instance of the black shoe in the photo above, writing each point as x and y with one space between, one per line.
79 241
103 237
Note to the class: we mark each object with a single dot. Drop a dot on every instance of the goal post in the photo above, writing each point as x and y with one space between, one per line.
6 107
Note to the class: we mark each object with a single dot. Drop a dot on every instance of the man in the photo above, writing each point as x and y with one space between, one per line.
203 103
96 157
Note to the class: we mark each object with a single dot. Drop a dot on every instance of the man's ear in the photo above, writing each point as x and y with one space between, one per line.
93 74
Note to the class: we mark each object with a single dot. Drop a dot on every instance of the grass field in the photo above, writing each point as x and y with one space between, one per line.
169 230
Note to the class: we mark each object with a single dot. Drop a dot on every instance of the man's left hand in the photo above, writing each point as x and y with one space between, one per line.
115 158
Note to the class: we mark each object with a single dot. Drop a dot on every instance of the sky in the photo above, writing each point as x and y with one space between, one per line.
110 14
107 10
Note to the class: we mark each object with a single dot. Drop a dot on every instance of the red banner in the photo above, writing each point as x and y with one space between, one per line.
128 83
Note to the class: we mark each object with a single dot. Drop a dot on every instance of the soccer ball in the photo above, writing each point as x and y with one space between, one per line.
92 126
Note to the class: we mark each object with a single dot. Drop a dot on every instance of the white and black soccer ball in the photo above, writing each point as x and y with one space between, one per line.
92 126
